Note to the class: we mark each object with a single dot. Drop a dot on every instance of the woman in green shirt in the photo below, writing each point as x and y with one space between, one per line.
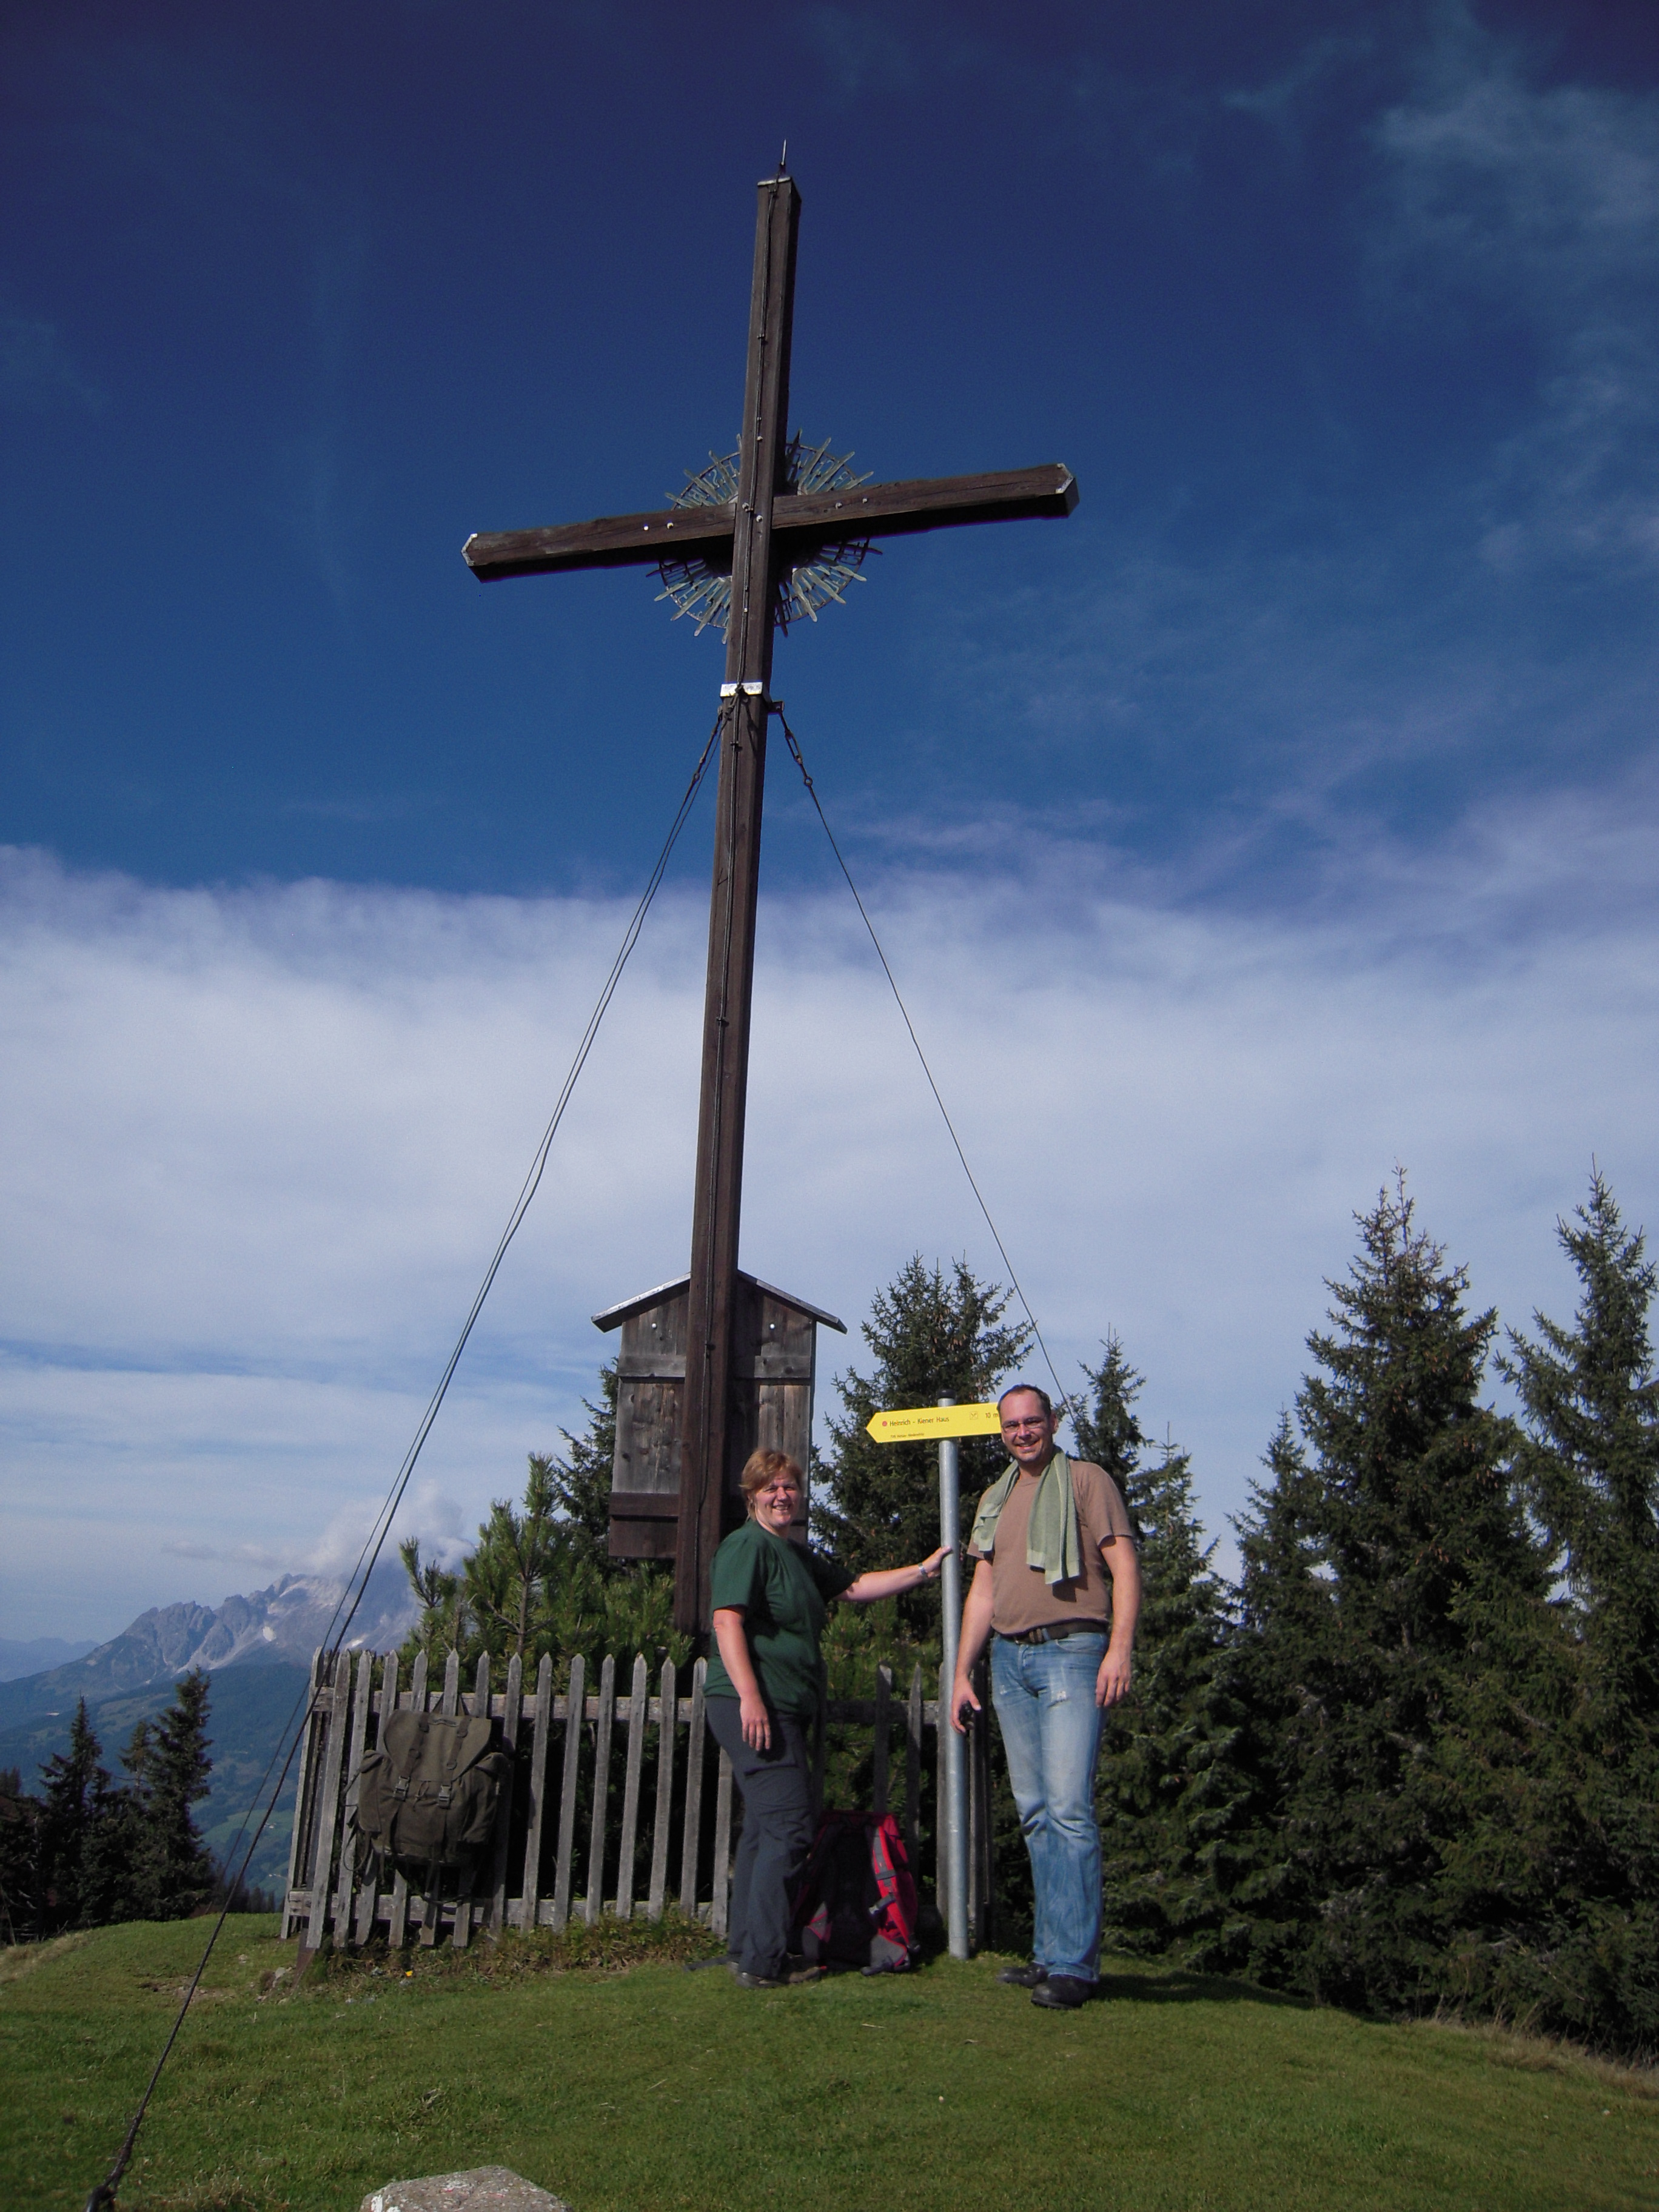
769 1597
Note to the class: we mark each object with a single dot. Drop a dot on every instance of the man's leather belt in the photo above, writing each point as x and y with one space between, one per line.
1052 1635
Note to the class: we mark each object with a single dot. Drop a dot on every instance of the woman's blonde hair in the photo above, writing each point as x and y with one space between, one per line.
764 1466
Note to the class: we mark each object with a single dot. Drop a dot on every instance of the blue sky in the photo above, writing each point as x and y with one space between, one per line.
1294 801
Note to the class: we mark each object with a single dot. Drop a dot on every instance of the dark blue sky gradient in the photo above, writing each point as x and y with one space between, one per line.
297 298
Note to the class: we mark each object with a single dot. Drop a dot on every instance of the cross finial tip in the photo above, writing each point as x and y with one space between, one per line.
783 158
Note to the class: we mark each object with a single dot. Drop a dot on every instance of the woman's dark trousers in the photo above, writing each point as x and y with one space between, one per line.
779 1823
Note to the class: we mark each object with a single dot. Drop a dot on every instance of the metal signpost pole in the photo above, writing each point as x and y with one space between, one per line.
953 1749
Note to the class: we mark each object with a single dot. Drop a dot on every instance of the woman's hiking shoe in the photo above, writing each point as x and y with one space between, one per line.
1062 1993
1023 1978
792 1978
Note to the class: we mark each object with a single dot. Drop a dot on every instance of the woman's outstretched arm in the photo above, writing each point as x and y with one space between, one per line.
888 1582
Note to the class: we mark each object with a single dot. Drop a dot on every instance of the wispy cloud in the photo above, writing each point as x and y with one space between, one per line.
259 1145
1535 208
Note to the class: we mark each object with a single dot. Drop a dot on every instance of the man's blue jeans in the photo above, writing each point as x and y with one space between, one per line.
1044 1695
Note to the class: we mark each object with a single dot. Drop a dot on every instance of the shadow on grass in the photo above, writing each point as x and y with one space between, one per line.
1175 1986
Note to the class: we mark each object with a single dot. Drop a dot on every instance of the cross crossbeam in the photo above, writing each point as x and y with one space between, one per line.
768 531
800 521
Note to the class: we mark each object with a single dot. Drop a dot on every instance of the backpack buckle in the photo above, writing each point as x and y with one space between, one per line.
400 1788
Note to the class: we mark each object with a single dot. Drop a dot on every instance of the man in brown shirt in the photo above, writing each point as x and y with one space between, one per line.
1058 1590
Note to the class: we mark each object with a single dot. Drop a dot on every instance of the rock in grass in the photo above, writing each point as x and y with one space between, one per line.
481 2189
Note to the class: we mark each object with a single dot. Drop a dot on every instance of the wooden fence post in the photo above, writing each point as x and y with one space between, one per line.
299 1840
333 1759
461 1931
413 1700
607 1714
362 1694
691 1833
541 1749
432 1908
576 1706
720 1901
638 1699
368 1888
510 1706
667 1735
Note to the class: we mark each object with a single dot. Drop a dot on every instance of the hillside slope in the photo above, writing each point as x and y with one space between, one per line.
249 1708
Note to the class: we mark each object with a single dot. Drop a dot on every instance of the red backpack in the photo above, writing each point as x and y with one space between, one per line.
857 1902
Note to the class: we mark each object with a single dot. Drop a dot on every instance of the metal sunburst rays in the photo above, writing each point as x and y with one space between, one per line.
705 594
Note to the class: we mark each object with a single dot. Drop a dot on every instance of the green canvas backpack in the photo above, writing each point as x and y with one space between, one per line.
429 1794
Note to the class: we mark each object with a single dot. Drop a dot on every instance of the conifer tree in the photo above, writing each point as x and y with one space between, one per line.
581 1480
1590 1459
1396 1625
74 1787
20 1901
1165 1793
115 1844
506 1576
1274 1673
174 1874
933 1336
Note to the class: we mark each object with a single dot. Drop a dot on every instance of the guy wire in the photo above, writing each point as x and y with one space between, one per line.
1062 1396
102 2197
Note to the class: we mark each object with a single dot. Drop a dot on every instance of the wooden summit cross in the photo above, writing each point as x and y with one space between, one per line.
767 537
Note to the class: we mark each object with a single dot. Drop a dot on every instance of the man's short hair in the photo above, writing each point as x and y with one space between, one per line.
1030 1390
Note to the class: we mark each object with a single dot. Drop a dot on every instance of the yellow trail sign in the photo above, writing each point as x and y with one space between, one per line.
911 1421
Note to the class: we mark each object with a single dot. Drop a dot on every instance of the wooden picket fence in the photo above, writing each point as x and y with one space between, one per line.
526 1878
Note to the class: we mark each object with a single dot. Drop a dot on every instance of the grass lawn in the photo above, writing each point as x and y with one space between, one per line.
630 2091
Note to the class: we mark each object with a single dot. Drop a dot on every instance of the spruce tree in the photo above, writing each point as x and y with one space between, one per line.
74 1787
1269 1673
1396 1627
933 1335
1166 1791
581 1480
174 1874
115 1845
1590 1459
20 1900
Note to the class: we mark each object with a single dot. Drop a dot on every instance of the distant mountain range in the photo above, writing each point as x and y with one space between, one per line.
283 1624
258 1650
41 1651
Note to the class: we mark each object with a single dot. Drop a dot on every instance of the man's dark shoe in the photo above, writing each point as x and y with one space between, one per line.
1023 1978
1062 1993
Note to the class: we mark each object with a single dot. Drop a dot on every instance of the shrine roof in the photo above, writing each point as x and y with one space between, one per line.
614 1316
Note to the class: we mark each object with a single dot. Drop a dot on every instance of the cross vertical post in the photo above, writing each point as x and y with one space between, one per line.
771 533
707 1408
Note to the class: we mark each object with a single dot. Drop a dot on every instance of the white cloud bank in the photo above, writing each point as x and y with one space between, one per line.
259 1144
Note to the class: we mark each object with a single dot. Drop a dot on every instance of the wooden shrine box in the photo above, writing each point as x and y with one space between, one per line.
774 1361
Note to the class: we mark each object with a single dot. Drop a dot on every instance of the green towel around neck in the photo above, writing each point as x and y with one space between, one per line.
1051 1538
